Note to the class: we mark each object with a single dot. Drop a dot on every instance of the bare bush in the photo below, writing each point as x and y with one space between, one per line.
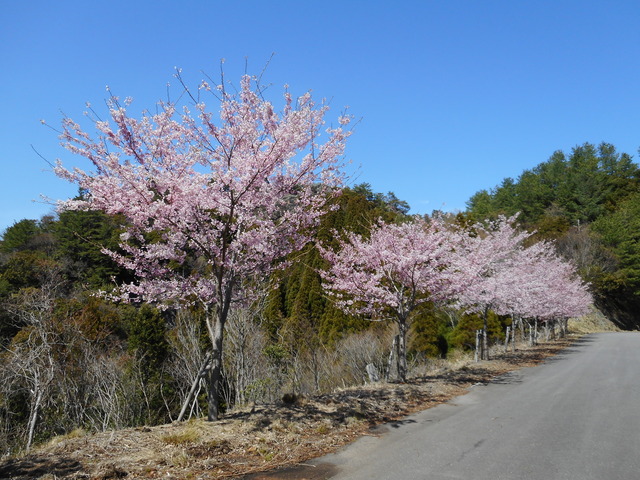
354 352
186 357
245 363
110 404
29 359
586 251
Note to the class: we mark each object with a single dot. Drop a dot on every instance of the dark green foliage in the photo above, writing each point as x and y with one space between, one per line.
464 334
579 188
620 231
99 321
147 342
429 332
335 324
80 237
552 225
274 309
22 269
29 235
19 236
147 338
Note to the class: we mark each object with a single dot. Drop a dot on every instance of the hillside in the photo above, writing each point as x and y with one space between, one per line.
586 201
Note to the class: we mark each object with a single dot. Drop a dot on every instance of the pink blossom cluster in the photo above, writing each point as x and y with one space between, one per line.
393 271
510 277
210 200
399 267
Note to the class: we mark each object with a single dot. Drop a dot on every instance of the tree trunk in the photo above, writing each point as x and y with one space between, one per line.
546 331
506 339
216 332
392 353
201 373
402 351
33 417
485 330
372 373
215 327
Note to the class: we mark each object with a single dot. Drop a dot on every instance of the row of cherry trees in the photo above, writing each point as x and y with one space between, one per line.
211 206
399 268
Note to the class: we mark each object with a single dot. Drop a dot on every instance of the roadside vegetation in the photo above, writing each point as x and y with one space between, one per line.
587 201
222 270
274 440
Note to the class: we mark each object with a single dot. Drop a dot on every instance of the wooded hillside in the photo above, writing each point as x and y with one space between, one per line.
72 358
589 202
96 364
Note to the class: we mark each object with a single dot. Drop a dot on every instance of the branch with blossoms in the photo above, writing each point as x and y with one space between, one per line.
393 272
209 200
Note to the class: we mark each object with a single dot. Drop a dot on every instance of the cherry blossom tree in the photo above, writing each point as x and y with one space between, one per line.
210 203
389 275
489 256
547 287
510 277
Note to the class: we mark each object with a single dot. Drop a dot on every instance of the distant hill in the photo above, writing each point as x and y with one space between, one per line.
589 202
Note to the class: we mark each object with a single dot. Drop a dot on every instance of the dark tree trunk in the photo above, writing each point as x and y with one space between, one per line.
215 327
216 333
485 334
402 350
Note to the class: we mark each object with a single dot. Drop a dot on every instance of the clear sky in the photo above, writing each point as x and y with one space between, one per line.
453 95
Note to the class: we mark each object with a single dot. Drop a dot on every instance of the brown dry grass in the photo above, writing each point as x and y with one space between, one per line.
262 438
593 322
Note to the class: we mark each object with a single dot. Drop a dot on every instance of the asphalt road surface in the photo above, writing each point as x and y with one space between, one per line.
577 416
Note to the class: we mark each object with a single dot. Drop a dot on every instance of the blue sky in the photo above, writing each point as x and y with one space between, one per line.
453 95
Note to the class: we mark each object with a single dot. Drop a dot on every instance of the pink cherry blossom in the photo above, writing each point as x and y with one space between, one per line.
390 274
210 204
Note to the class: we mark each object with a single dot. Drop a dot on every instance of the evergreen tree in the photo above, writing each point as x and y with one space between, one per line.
620 232
80 238
19 236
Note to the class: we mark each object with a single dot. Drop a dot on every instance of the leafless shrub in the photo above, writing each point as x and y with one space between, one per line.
186 357
109 405
245 363
29 359
354 352
585 250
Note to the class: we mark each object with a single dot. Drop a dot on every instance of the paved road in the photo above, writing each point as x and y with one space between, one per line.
575 417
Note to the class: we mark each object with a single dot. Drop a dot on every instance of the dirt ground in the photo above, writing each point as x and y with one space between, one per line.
264 441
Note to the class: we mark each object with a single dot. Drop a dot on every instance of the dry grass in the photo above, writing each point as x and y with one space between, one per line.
181 438
592 323
262 438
